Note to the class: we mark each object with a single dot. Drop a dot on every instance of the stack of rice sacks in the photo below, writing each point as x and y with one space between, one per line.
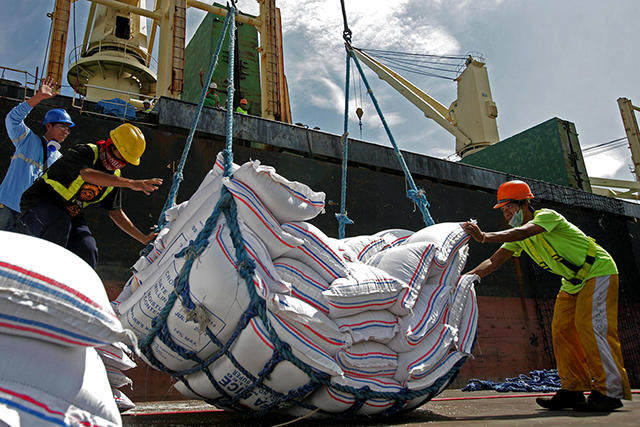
388 315
56 328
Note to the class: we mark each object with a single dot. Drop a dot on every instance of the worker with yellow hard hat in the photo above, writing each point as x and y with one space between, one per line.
585 318
87 174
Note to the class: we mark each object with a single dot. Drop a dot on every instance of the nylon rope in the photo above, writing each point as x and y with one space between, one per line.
416 195
177 176
342 217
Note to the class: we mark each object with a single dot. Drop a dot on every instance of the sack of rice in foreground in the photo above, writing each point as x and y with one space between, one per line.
251 307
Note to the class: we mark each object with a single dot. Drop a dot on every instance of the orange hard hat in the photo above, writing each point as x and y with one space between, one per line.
243 101
512 191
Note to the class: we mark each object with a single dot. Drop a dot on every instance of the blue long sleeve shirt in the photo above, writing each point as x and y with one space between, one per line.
27 161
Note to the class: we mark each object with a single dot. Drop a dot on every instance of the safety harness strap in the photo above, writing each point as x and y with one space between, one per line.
579 272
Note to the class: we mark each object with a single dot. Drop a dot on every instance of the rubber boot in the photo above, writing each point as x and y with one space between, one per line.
598 402
563 399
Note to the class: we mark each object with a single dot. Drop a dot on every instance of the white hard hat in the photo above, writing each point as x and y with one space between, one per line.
213 85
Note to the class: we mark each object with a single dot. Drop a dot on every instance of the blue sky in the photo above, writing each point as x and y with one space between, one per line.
569 59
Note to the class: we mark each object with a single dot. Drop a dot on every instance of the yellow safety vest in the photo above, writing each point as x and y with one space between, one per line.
70 193
579 272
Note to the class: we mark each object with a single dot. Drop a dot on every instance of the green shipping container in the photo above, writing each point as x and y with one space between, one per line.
547 152
199 54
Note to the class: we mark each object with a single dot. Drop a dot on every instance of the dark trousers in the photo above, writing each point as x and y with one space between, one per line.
49 222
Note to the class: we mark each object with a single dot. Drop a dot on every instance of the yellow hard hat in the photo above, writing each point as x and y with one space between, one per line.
129 141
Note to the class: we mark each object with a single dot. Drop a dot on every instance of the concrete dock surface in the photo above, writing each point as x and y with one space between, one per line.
451 408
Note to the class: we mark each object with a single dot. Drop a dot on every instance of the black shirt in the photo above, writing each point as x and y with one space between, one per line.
65 171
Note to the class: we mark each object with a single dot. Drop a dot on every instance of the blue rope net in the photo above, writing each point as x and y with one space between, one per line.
226 208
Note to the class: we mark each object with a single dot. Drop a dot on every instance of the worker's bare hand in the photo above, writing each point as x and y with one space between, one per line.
147 186
149 238
473 230
47 88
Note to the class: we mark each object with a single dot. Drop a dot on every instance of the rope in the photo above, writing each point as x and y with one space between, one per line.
342 217
178 177
414 193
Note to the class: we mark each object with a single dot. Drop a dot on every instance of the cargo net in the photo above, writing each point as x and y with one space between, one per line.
253 309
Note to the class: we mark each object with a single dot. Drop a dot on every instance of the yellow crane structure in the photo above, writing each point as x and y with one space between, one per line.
471 118
116 54
620 188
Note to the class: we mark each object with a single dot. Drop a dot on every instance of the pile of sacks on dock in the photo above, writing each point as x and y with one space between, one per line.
61 344
389 312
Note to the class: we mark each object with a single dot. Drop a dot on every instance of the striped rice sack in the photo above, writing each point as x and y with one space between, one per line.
252 350
306 284
49 293
116 355
367 288
122 401
409 263
368 359
374 325
394 236
412 364
427 377
468 324
334 401
365 247
217 290
317 251
288 201
117 379
45 384
310 322
447 236
429 312
459 295
259 219
218 167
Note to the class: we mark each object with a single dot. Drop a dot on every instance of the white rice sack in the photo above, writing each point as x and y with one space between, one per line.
410 264
374 325
427 377
318 251
46 384
260 219
344 251
122 401
394 236
288 201
117 379
468 326
414 363
459 296
306 284
117 356
367 288
175 211
215 287
309 322
368 359
252 350
365 247
447 236
157 247
428 313
335 401
49 293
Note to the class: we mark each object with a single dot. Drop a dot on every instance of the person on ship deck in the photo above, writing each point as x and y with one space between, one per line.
33 153
585 318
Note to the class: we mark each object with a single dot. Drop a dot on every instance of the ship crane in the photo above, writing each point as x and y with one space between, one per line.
471 118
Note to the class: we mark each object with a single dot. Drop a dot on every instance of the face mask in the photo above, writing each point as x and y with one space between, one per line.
109 161
516 219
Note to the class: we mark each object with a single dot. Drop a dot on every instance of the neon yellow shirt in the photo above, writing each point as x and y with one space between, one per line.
569 242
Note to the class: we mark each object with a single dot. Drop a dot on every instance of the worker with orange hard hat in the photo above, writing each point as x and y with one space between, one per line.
242 108
87 174
585 317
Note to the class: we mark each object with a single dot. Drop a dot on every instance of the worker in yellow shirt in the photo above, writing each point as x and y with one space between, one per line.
585 317
242 108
